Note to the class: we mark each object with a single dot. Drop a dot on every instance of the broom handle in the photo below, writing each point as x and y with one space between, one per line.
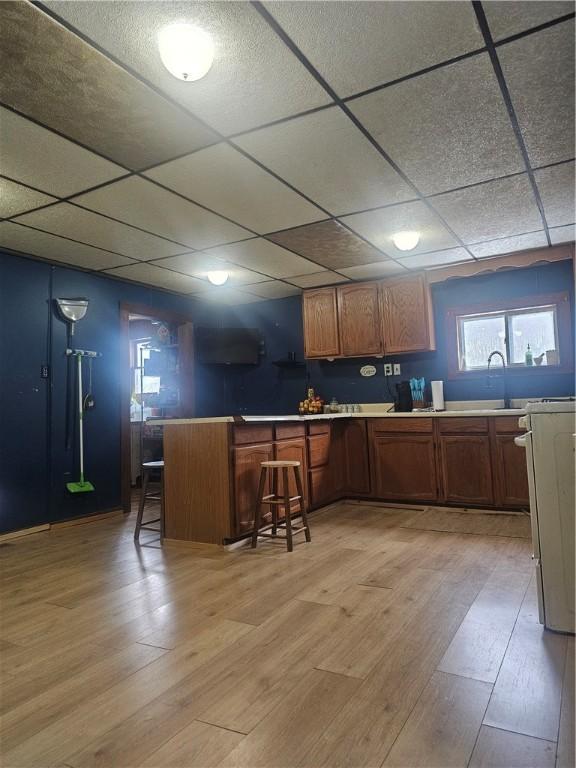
80 418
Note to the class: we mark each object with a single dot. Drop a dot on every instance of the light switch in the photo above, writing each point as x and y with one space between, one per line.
396 369
387 369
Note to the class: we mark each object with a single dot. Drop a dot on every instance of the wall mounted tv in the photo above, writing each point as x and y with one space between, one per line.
228 346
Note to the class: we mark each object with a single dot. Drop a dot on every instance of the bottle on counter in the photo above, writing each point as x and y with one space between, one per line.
529 357
333 405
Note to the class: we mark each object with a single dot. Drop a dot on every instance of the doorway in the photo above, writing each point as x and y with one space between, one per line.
158 383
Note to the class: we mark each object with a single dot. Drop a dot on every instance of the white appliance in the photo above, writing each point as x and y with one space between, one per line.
550 457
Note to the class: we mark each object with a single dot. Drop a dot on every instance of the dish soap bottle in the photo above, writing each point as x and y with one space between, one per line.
529 357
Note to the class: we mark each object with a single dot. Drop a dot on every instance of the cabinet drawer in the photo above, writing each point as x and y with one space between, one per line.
401 424
319 428
318 450
290 430
245 434
458 426
507 425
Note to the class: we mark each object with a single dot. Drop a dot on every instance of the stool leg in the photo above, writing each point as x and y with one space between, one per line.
161 506
275 506
303 512
258 510
287 510
145 475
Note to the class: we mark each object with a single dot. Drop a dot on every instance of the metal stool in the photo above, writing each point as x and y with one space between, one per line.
147 468
285 500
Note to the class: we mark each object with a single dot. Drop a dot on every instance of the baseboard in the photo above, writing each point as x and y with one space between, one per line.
23 532
116 512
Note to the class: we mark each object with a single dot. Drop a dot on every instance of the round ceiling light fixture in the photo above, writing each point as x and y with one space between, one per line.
406 241
186 51
218 277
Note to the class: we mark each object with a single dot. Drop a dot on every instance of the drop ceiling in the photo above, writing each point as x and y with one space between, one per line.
321 130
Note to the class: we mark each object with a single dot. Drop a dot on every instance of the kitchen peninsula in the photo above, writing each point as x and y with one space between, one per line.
456 457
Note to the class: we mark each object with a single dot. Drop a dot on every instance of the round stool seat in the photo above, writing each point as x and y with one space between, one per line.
280 464
153 464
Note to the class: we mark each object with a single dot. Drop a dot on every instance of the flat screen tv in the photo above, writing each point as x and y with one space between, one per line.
228 346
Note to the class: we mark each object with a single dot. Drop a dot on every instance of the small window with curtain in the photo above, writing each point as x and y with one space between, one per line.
530 334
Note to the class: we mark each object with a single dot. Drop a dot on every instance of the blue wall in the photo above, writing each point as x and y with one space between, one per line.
35 464
267 389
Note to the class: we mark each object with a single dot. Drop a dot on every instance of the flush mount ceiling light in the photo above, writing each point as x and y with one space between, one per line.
218 277
406 241
186 51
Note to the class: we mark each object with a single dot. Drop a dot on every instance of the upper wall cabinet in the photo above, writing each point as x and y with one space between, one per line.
373 318
321 338
407 320
359 319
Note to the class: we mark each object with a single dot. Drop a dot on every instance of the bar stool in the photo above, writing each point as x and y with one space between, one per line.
147 468
285 500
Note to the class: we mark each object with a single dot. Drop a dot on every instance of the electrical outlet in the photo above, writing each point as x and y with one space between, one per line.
387 369
396 369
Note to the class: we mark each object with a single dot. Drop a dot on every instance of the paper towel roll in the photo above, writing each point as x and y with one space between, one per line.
437 395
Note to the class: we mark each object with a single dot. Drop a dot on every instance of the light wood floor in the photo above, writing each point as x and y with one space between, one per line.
378 644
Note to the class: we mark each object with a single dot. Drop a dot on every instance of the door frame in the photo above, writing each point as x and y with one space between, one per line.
184 322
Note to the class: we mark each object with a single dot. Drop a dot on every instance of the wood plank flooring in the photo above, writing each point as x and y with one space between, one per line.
384 642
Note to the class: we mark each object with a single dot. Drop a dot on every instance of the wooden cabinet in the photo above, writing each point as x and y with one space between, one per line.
247 459
466 469
356 462
359 319
403 466
407 322
511 476
320 315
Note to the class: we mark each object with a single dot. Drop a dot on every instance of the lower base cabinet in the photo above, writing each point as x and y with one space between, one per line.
511 480
292 450
356 461
466 469
404 467
247 460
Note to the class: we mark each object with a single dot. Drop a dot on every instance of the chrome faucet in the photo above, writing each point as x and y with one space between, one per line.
504 379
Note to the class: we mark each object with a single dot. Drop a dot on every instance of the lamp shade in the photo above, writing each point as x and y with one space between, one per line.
72 309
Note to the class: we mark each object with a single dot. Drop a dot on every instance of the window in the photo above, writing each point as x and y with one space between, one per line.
511 333
543 322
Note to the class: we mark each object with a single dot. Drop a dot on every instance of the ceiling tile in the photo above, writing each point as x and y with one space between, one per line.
14 198
326 277
266 257
445 129
539 71
379 226
325 156
329 244
221 178
496 209
158 277
36 243
507 18
254 79
87 227
223 295
556 186
194 264
33 155
437 259
510 244
374 271
144 204
272 290
52 75
360 45
563 234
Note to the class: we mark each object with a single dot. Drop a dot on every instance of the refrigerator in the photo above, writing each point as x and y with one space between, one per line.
550 457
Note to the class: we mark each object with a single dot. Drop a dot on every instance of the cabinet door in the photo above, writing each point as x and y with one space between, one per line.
407 317
356 457
512 475
404 467
292 450
359 319
321 488
247 460
320 323
466 469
